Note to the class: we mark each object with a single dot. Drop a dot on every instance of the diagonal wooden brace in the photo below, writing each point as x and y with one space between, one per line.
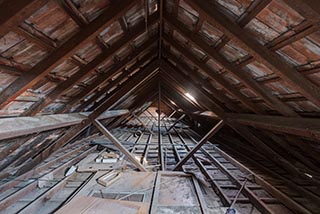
119 146
213 131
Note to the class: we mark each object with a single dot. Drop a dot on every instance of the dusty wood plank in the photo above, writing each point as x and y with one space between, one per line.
14 127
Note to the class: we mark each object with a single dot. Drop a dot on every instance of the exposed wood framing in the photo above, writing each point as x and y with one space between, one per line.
59 55
306 127
261 53
119 146
209 135
245 79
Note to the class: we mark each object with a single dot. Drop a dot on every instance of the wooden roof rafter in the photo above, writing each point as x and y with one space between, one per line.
261 53
43 68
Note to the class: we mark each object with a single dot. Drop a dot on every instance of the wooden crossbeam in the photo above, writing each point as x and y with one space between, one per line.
187 84
103 90
258 51
171 81
115 141
306 127
310 9
15 127
210 134
86 34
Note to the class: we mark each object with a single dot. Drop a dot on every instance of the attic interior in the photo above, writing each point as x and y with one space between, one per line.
160 106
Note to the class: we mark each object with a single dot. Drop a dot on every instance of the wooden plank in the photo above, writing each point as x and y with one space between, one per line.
272 190
15 127
205 83
306 127
258 51
86 34
109 103
12 14
310 9
115 141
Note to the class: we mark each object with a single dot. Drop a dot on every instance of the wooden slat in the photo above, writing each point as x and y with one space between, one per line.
86 34
15 127
114 140
306 127
261 53
108 75
103 90
245 79
12 14
86 70
215 76
109 103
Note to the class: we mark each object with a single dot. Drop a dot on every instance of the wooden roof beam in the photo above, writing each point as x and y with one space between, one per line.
112 83
258 51
166 67
215 76
106 76
204 82
113 100
305 127
245 79
88 68
19 126
86 34
310 9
